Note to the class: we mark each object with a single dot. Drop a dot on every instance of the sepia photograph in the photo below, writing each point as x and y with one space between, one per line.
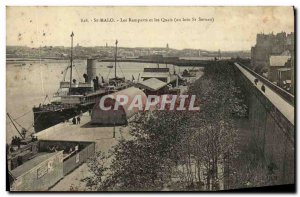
150 99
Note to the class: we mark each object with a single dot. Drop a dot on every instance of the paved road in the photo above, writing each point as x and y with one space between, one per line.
283 106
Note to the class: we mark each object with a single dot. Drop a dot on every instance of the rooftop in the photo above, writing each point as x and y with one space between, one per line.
28 165
284 69
155 75
278 60
152 84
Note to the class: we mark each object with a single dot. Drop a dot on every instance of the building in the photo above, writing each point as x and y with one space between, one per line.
273 57
284 78
75 153
270 44
163 74
41 164
39 173
153 86
261 51
280 71
277 62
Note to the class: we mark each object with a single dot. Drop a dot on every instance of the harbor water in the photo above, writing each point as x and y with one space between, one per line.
28 83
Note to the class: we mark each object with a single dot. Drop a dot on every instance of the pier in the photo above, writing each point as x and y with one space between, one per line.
175 61
102 136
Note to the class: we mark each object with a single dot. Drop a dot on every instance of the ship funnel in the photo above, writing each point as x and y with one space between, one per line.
91 69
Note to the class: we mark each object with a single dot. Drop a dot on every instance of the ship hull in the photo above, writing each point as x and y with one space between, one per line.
46 119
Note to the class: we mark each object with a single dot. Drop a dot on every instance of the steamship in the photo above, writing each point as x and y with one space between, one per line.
76 97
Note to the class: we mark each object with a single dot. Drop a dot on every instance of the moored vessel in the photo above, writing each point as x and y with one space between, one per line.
75 98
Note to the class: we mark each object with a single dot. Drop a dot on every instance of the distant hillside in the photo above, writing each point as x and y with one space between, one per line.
61 52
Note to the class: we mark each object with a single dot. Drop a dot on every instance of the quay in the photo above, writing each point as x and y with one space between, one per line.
102 136
64 167
105 137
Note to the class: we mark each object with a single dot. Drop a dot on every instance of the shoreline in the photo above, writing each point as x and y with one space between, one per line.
176 62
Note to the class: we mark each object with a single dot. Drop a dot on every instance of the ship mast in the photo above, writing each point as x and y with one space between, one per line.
71 61
116 59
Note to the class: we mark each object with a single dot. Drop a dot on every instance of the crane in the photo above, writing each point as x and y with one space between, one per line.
21 133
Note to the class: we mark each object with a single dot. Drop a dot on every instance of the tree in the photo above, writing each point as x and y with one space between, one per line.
216 137
97 167
190 145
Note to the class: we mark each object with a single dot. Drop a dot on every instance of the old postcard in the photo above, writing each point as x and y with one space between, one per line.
150 98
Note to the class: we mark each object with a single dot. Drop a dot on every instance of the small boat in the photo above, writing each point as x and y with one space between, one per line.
110 66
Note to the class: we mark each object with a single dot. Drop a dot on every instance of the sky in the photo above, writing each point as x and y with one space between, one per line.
228 28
